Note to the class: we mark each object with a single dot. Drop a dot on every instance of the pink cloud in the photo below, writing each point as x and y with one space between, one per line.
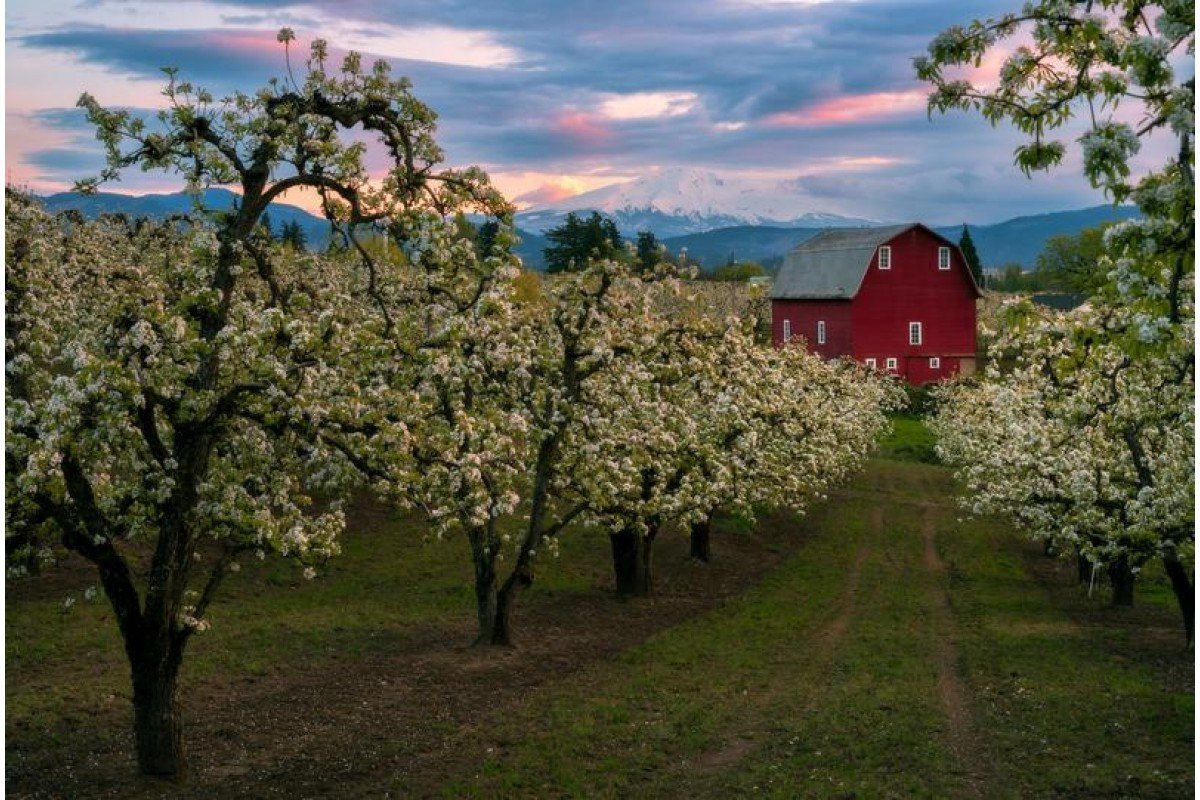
547 193
850 109
245 41
585 129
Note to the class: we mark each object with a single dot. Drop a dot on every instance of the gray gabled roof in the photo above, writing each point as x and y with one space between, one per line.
831 265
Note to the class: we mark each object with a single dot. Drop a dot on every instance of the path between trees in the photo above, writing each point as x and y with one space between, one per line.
829 657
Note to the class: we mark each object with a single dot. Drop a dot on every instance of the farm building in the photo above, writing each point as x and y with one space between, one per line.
898 298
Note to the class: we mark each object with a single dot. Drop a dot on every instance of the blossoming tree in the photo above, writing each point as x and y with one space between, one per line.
1087 446
592 326
720 421
181 389
1100 407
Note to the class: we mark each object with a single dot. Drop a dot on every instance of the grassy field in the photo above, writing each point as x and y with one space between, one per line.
880 647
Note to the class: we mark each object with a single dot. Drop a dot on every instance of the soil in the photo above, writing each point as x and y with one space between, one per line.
952 691
338 728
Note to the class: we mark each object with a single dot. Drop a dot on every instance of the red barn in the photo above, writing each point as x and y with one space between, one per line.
899 298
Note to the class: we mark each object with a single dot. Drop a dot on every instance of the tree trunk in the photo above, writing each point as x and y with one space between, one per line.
627 561
483 556
1083 566
485 603
501 633
1121 577
1185 593
646 573
701 549
157 721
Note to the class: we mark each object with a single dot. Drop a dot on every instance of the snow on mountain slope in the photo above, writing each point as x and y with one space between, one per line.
678 201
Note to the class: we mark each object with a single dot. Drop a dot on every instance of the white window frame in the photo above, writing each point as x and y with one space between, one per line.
935 362
820 331
943 258
885 257
787 330
892 364
915 328
870 362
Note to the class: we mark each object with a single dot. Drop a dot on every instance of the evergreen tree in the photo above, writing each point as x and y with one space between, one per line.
649 251
266 226
292 234
485 238
576 242
967 246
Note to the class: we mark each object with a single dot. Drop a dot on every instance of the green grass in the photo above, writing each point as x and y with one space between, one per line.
390 578
799 687
741 702
908 440
1080 700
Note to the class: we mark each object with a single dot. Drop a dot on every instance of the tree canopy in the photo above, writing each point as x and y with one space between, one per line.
1087 438
577 241
185 386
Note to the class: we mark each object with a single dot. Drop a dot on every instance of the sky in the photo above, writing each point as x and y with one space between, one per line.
553 98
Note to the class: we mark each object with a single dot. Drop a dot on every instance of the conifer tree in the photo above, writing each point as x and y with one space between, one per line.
967 245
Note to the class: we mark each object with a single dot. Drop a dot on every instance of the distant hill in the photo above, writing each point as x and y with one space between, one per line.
530 248
761 243
158 206
1021 239
1018 240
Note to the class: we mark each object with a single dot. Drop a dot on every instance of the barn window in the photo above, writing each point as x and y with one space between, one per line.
821 331
914 333
871 363
935 363
885 257
891 363
787 330
943 258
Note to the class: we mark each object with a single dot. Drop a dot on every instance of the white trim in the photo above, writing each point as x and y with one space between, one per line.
935 362
891 363
787 330
914 340
820 331
885 257
870 362
944 251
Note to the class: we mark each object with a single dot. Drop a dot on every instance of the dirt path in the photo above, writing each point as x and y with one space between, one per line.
953 693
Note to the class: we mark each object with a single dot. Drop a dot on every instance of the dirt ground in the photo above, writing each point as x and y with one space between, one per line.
330 727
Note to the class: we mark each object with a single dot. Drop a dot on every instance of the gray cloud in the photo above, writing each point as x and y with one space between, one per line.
743 61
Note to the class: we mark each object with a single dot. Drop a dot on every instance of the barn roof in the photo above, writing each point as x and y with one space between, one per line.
831 265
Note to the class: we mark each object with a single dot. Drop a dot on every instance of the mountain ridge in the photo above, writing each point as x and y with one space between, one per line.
1018 239
682 201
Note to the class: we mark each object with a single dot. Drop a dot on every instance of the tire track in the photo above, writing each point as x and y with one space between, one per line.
952 691
824 644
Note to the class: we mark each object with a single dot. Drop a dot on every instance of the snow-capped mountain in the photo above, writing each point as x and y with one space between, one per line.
673 202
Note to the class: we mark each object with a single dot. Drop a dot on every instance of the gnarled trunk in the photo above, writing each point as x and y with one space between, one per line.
157 720
501 632
486 606
483 556
647 553
633 561
1185 593
1120 575
627 562
1083 567
701 535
